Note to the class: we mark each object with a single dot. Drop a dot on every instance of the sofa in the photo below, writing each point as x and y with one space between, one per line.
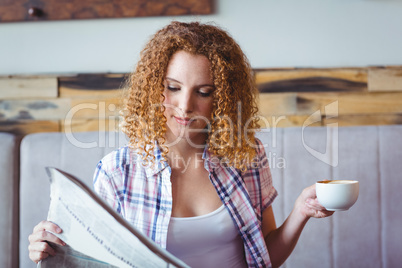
9 155
366 235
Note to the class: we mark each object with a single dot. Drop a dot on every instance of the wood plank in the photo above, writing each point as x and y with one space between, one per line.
28 87
280 104
311 80
277 104
289 121
389 79
46 109
270 75
25 127
95 108
18 10
90 85
83 125
356 103
365 120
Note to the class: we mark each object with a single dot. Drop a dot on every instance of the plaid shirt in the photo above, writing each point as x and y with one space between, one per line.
143 195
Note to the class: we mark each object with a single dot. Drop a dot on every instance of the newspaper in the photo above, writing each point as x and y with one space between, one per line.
96 235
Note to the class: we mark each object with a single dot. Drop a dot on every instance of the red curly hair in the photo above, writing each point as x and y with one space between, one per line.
234 105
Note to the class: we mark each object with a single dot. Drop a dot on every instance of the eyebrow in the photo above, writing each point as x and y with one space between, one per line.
203 85
174 80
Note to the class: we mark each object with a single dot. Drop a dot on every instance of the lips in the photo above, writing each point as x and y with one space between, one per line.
183 120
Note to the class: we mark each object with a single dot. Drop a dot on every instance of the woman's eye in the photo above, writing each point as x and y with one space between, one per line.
204 94
171 88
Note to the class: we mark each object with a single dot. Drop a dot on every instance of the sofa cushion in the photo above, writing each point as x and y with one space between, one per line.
9 200
76 154
367 235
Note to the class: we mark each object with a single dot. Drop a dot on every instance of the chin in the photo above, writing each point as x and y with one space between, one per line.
184 133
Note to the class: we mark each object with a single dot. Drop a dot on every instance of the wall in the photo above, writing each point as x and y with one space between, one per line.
309 33
288 97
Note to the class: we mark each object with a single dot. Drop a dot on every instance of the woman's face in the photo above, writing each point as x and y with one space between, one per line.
188 97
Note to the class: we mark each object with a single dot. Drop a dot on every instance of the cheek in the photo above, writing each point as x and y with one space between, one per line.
208 108
170 109
166 99
169 102
166 103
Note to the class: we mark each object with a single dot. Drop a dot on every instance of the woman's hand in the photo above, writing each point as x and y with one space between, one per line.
309 206
38 247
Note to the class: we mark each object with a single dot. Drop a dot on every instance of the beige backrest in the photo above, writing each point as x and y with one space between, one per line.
77 154
9 200
367 235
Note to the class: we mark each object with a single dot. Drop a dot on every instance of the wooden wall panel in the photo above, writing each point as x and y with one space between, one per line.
82 125
24 127
385 79
90 85
45 109
33 10
95 108
311 80
23 87
357 103
289 97
275 121
278 104
364 120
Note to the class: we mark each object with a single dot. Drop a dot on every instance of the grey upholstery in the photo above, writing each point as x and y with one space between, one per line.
76 155
9 200
367 235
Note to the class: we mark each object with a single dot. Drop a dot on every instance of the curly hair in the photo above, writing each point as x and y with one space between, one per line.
234 120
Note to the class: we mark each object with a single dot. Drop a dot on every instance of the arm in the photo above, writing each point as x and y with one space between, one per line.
281 241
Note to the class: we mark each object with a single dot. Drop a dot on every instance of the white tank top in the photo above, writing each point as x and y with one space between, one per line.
210 240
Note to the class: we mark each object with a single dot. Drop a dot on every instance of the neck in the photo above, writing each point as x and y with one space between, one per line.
185 149
186 145
182 153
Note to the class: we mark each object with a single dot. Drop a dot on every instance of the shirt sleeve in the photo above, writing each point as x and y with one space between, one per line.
105 187
268 191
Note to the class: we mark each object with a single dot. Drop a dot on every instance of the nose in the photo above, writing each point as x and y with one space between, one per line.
186 103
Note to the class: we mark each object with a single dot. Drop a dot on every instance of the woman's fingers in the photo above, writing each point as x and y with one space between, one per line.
47 225
39 248
43 236
41 232
317 210
37 256
42 247
314 204
312 207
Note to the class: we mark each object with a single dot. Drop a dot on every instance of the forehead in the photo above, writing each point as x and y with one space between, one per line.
182 63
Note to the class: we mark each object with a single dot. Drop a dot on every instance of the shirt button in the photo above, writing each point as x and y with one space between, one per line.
244 228
227 199
259 259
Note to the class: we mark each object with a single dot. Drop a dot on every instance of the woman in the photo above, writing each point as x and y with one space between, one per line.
193 162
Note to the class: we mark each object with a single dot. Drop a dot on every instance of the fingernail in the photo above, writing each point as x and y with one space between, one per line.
58 230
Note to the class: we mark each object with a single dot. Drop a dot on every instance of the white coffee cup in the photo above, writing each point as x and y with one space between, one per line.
337 194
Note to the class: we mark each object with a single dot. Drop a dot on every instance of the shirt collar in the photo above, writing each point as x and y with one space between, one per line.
159 164
211 161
